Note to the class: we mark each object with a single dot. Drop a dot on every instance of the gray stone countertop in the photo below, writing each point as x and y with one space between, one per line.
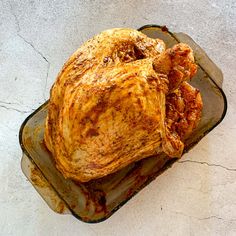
197 197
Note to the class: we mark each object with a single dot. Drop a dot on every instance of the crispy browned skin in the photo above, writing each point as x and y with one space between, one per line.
177 63
107 106
183 110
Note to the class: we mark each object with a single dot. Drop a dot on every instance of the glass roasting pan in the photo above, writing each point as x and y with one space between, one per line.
96 200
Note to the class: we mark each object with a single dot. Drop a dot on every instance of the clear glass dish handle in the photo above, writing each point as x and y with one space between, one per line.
42 186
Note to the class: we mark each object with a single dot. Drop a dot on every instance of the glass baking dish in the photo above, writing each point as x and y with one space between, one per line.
96 200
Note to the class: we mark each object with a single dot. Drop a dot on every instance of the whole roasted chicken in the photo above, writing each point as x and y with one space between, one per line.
119 98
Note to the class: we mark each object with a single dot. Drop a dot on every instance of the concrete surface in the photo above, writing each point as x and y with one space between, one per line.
36 37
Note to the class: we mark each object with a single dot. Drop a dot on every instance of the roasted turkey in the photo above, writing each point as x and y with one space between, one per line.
119 98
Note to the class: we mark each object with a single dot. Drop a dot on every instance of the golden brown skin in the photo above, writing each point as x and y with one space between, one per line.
107 106
177 63
183 110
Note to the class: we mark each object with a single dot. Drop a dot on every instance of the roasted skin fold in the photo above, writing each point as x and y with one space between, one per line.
119 98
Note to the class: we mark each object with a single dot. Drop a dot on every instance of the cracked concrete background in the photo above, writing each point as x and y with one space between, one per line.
195 197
